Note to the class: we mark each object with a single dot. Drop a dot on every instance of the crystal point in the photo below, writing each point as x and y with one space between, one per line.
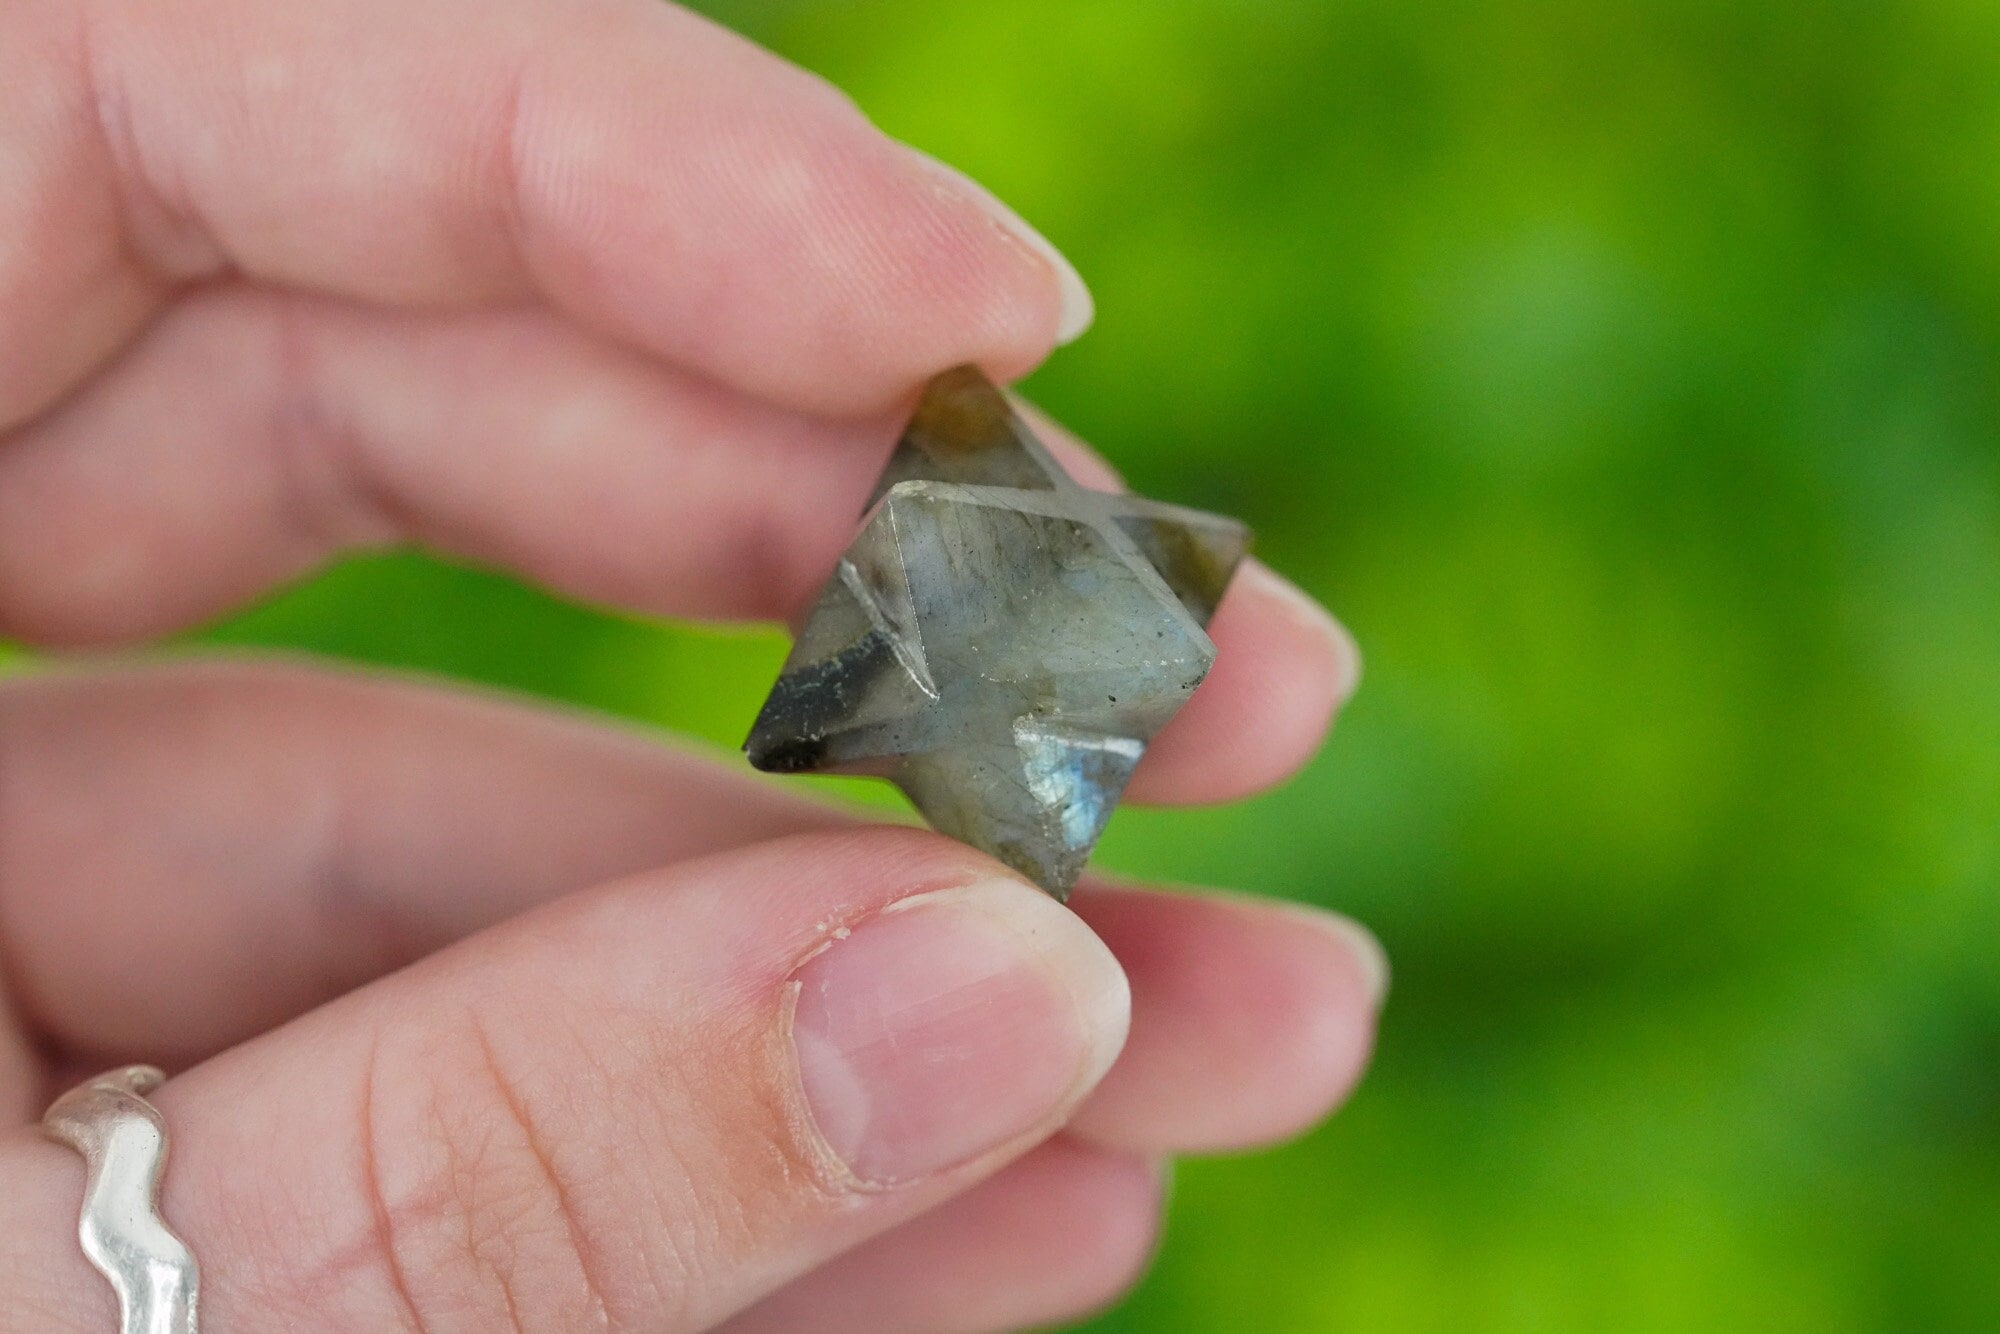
998 641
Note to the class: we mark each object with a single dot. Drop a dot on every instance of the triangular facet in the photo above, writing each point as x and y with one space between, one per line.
1195 553
1037 803
966 431
1078 777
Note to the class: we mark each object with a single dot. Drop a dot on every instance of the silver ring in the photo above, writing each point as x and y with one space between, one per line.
123 1140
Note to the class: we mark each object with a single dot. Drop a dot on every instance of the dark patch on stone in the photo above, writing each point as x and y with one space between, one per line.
787 755
790 734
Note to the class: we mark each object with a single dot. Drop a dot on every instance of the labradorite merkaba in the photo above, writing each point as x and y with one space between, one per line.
998 641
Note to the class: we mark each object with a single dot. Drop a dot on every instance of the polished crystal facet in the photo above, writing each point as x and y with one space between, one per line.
998 641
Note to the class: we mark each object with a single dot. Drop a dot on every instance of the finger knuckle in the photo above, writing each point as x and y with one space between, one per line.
479 1221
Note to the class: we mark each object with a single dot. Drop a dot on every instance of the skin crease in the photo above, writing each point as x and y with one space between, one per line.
595 292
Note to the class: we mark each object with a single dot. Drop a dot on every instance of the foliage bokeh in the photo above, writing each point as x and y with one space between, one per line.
1625 376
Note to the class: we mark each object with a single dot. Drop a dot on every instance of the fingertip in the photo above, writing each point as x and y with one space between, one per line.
1252 1020
1076 309
952 1024
831 268
1114 1203
1366 958
1276 596
1283 669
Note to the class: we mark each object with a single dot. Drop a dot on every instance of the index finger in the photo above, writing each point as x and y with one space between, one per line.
636 166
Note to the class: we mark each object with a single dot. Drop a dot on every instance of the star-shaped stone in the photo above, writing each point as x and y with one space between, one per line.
1000 642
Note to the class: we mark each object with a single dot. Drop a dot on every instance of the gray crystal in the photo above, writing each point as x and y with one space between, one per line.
1000 642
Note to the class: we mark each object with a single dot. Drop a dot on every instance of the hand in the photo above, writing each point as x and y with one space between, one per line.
484 1016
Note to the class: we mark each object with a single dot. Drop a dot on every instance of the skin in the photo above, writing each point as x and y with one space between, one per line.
482 1015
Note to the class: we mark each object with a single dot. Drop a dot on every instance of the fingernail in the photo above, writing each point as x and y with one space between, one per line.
1307 610
952 1024
1369 956
1078 307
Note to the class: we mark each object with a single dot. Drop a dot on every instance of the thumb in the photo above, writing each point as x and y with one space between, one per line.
642 1107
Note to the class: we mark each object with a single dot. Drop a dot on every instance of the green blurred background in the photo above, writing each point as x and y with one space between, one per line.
1625 376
